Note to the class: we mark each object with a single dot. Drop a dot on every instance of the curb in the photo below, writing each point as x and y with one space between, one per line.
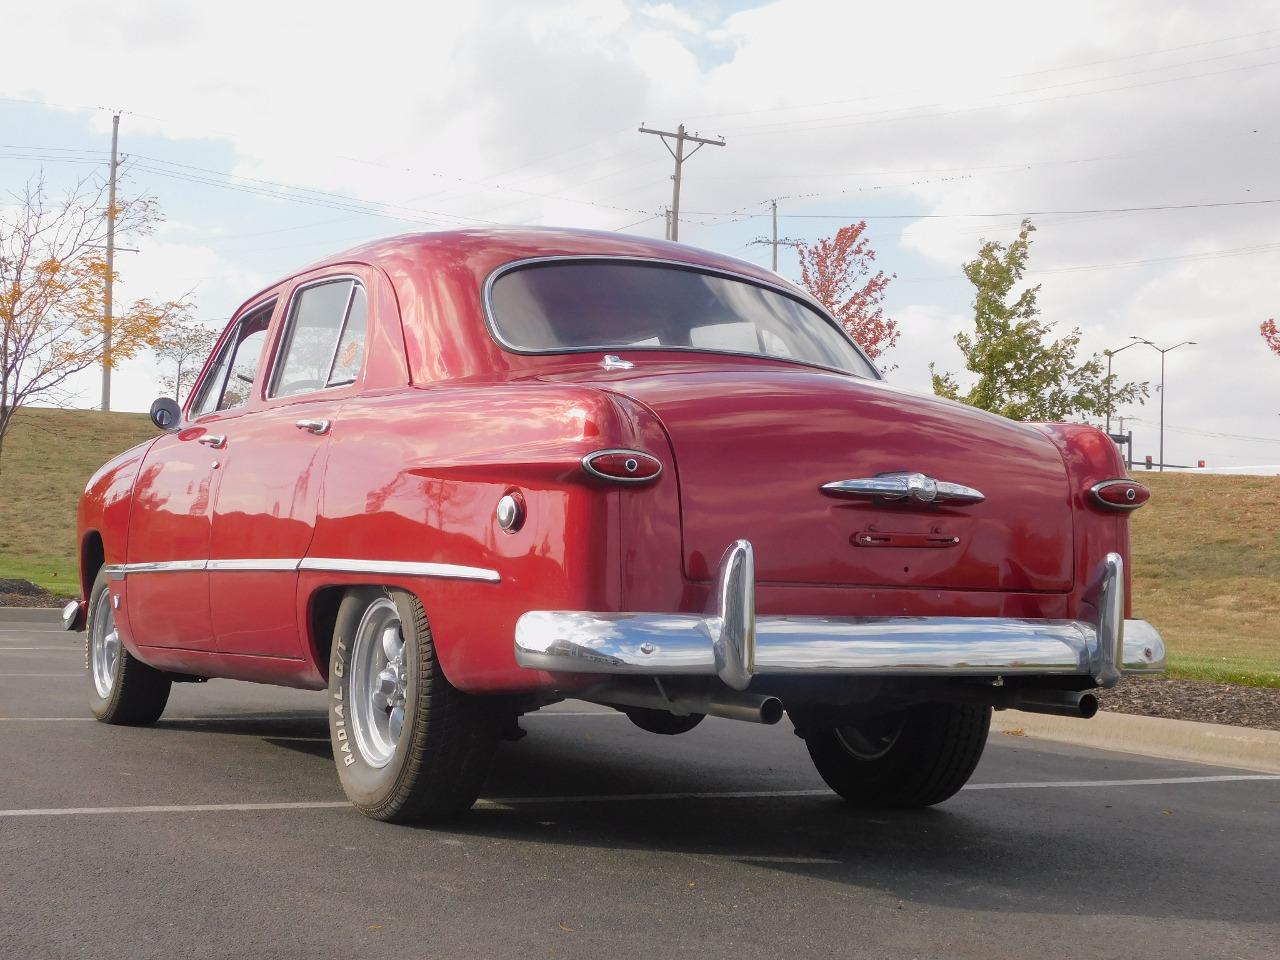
1218 744
30 615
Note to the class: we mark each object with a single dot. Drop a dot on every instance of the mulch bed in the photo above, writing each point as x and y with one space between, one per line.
24 593
1257 707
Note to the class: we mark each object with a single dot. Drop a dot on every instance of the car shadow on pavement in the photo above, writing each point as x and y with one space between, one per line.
989 850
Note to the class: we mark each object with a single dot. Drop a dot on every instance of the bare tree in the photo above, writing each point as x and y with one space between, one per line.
52 276
184 344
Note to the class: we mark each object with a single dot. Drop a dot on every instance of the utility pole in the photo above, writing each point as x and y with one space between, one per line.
1162 352
111 267
680 157
773 207
773 241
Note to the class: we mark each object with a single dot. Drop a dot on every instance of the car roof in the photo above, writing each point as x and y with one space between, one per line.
505 244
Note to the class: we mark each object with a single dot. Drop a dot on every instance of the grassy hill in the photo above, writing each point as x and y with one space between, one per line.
1206 550
48 457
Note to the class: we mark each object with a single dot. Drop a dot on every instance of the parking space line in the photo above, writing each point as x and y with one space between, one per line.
227 718
44 649
8 676
501 802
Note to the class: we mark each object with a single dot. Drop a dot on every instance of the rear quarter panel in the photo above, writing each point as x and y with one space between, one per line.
415 475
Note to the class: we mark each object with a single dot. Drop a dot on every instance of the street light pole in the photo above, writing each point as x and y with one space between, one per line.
1162 351
1110 354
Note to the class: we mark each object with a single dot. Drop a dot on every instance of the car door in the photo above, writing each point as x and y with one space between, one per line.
169 532
265 509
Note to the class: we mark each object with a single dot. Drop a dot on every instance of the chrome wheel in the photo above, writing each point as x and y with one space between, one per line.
872 738
104 646
379 682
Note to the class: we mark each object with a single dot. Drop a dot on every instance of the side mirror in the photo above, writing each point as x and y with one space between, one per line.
165 413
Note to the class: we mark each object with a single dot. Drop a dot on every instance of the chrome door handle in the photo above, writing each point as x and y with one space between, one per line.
318 427
217 442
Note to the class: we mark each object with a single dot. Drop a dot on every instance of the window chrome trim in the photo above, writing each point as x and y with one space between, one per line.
793 292
447 571
227 341
287 333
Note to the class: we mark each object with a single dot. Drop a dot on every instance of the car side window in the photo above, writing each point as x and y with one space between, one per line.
230 380
324 341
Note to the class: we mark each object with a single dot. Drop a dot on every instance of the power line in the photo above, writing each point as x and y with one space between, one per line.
1007 76
1209 433
1008 213
1085 268
851 120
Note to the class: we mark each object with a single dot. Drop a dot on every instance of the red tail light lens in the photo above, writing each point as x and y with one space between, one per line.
1120 494
622 466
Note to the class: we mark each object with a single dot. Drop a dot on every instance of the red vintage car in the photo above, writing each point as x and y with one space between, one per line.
453 477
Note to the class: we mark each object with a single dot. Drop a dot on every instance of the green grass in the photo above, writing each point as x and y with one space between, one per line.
48 458
1206 550
1206 572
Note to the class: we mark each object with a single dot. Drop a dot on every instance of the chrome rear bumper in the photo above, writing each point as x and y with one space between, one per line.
736 645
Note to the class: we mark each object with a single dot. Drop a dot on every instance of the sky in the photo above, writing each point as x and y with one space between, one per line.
1141 138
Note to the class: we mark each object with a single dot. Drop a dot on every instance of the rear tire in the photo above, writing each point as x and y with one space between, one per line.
408 745
915 757
662 722
122 689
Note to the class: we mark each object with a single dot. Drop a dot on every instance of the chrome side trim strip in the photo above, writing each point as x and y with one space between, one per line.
266 563
735 644
448 571
120 571
407 568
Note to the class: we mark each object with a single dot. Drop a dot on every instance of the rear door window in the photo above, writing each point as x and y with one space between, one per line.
324 341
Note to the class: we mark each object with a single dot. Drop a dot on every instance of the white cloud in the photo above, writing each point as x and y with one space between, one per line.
498 111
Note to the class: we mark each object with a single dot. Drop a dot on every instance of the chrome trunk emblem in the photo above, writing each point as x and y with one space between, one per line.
904 486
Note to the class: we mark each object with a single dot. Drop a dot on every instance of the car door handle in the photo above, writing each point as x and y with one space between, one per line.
318 427
215 441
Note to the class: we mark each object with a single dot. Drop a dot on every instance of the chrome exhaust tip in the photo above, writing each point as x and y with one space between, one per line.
1061 703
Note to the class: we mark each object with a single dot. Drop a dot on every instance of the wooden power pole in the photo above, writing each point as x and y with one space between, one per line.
680 137
111 266
773 241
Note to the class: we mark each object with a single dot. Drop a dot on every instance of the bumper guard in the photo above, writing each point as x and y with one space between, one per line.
735 644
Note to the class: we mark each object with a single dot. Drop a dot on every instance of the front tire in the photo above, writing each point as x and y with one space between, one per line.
408 745
914 757
122 689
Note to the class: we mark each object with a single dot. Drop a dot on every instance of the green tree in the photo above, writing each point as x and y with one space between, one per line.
1023 372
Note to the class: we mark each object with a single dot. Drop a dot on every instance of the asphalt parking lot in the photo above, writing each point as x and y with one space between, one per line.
222 833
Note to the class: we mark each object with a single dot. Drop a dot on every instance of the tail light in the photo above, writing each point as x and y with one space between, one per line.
1120 494
622 466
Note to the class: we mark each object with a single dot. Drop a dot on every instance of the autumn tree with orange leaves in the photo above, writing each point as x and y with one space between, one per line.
1271 335
838 272
53 272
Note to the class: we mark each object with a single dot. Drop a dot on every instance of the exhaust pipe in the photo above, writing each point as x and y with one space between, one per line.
748 707
1061 703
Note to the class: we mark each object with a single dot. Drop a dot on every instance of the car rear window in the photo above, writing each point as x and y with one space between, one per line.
575 305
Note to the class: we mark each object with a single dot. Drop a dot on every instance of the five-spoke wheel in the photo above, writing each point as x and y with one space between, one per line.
122 689
408 744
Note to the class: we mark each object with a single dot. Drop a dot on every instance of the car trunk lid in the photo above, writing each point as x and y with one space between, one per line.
754 444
